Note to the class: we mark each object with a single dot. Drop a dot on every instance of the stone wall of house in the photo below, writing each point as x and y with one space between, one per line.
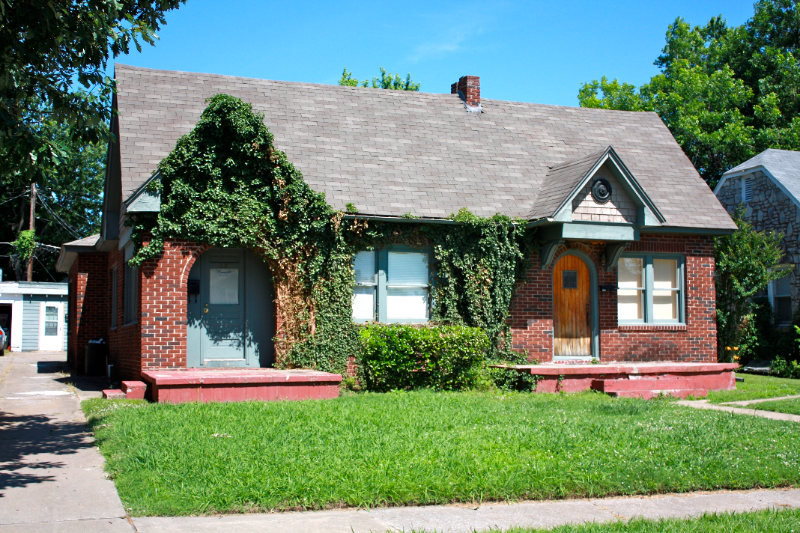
88 306
695 341
769 209
619 208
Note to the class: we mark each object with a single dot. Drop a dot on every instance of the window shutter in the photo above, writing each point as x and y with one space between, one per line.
747 189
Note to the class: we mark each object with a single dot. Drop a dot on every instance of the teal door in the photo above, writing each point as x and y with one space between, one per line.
230 311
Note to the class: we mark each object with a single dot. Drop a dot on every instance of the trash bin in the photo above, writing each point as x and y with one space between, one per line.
95 360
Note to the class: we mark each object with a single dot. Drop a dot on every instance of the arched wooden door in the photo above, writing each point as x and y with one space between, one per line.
572 308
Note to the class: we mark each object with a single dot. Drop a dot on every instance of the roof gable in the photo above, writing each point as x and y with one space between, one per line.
781 166
573 176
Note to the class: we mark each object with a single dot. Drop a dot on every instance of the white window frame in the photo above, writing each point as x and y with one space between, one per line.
647 275
381 285
772 295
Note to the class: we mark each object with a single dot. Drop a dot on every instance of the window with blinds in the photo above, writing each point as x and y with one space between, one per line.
649 289
392 285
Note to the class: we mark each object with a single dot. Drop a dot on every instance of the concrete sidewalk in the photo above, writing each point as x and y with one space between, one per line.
466 519
51 474
52 480
703 404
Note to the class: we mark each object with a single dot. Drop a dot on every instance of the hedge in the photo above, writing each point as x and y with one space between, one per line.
403 356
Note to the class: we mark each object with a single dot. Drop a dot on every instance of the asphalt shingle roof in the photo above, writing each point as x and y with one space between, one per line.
394 152
559 181
784 165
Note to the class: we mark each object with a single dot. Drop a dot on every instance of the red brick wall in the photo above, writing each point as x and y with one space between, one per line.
532 308
124 339
88 306
163 305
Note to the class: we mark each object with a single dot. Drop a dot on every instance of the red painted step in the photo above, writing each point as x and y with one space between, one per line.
134 390
113 394
649 394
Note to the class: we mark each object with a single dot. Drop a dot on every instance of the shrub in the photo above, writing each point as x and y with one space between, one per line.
402 356
510 379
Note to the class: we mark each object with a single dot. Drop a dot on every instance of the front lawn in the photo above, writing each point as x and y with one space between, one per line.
791 407
425 448
756 387
755 522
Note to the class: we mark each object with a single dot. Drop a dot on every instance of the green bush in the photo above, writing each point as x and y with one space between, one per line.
510 379
402 356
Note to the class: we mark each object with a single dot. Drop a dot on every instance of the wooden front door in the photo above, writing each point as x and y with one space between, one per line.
572 330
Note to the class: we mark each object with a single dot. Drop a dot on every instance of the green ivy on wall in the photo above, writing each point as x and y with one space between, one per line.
226 185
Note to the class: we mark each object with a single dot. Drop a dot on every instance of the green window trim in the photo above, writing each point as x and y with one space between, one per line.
648 289
382 286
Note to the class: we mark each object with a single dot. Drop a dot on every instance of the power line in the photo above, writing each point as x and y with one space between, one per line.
12 199
58 219
45 269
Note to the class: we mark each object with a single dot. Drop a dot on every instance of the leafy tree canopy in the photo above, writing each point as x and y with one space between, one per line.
48 48
69 197
386 81
725 93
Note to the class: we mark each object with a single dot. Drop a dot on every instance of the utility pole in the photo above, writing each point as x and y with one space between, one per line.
32 227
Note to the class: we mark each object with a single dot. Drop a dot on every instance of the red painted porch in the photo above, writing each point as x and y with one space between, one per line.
639 380
236 385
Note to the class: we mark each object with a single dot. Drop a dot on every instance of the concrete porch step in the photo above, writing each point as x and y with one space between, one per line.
665 383
650 394
113 394
237 385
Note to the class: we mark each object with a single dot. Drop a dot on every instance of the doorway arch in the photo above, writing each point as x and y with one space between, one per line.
230 312
575 310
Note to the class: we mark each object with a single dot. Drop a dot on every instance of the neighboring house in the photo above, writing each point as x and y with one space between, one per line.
768 186
34 315
625 271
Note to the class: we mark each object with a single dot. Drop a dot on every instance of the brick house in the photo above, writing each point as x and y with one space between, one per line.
625 271
768 187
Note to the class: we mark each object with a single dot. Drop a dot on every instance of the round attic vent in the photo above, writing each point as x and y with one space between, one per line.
601 191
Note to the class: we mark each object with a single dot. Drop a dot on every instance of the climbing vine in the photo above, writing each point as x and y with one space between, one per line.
226 185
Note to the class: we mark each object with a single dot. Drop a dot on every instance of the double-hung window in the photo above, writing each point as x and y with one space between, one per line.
392 285
780 293
650 289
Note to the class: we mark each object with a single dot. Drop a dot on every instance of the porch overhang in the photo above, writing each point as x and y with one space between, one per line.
588 231
553 234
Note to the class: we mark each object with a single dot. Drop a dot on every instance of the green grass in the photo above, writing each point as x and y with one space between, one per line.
755 522
756 387
791 407
425 448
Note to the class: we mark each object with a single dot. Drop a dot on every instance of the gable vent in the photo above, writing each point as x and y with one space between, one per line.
747 189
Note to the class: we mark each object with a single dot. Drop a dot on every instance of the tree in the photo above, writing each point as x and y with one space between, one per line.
48 48
745 262
69 199
386 81
725 93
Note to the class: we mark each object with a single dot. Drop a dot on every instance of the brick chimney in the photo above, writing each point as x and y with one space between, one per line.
470 87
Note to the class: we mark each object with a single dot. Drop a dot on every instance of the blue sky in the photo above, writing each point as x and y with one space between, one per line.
524 51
